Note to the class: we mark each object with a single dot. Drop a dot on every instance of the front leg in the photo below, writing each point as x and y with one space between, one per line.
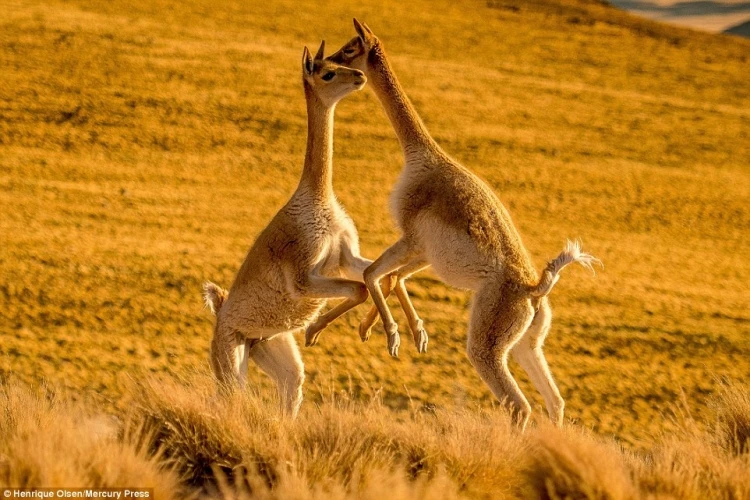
394 258
354 266
321 287
416 325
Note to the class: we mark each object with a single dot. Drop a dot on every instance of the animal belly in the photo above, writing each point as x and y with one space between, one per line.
453 256
452 269
300 313
270 316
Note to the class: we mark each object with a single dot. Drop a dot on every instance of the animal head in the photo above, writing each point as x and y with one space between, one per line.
329 81
356 51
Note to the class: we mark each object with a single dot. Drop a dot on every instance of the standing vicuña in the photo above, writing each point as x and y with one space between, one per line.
452 221
295 264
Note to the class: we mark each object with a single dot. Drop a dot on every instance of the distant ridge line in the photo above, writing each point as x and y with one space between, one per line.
699 8
742 29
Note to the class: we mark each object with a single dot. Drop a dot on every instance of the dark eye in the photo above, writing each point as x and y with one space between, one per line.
349 51
328 76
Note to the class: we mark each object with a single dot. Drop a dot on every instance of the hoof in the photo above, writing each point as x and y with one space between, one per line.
421 340
364 332
394 341
311 336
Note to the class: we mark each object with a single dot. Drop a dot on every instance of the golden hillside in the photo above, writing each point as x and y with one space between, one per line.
144 144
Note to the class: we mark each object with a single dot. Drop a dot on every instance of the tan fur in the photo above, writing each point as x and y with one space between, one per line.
453 221
297 262
214 296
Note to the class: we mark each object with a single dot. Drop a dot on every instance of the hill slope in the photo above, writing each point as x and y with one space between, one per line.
742 29
143 145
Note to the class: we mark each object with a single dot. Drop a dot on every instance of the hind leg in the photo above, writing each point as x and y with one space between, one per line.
498 321
279 357
228 358
528 352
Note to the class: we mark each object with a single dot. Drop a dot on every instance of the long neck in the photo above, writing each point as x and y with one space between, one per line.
317 175
411 132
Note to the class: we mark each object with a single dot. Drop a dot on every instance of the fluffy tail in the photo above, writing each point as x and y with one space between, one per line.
551 274
214 296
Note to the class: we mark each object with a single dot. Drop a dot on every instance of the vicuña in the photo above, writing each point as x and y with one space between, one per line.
452 221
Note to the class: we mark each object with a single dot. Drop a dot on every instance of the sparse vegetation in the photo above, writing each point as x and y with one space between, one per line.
144 144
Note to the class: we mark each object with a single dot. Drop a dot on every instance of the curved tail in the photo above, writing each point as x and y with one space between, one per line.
550 275
214 296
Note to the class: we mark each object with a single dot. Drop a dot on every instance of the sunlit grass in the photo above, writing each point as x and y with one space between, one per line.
177 437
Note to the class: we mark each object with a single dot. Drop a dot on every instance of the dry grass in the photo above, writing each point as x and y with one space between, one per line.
239 448
46 440
144 144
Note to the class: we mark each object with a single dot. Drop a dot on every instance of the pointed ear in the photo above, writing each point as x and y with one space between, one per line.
319 55
361 30
307 62
367 28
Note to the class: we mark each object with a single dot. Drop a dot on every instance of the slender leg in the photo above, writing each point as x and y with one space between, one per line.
314 286
498 320
528 352
227 356
323 287
365 326
416 325
279 357
395 257
354 267
241 354
312 334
